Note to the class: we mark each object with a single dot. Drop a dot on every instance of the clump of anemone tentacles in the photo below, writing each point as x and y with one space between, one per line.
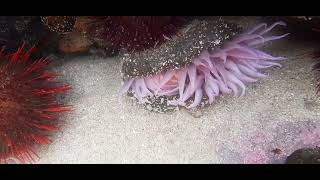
221 71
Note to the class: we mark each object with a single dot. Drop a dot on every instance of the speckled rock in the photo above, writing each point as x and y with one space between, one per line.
304 156
178 52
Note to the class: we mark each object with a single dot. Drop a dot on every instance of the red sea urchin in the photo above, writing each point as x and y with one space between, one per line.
138 32
28 111
211 71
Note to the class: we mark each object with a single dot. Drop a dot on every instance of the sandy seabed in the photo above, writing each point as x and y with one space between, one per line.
281 111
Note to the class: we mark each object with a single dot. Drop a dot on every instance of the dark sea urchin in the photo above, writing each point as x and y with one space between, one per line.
135 33
28 111
308 29
207 60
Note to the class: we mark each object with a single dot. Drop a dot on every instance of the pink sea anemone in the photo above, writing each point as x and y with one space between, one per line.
224 70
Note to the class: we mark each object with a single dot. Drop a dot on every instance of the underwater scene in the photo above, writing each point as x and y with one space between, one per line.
160 90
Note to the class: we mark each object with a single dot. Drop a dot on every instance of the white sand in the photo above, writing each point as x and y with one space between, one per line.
102 130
